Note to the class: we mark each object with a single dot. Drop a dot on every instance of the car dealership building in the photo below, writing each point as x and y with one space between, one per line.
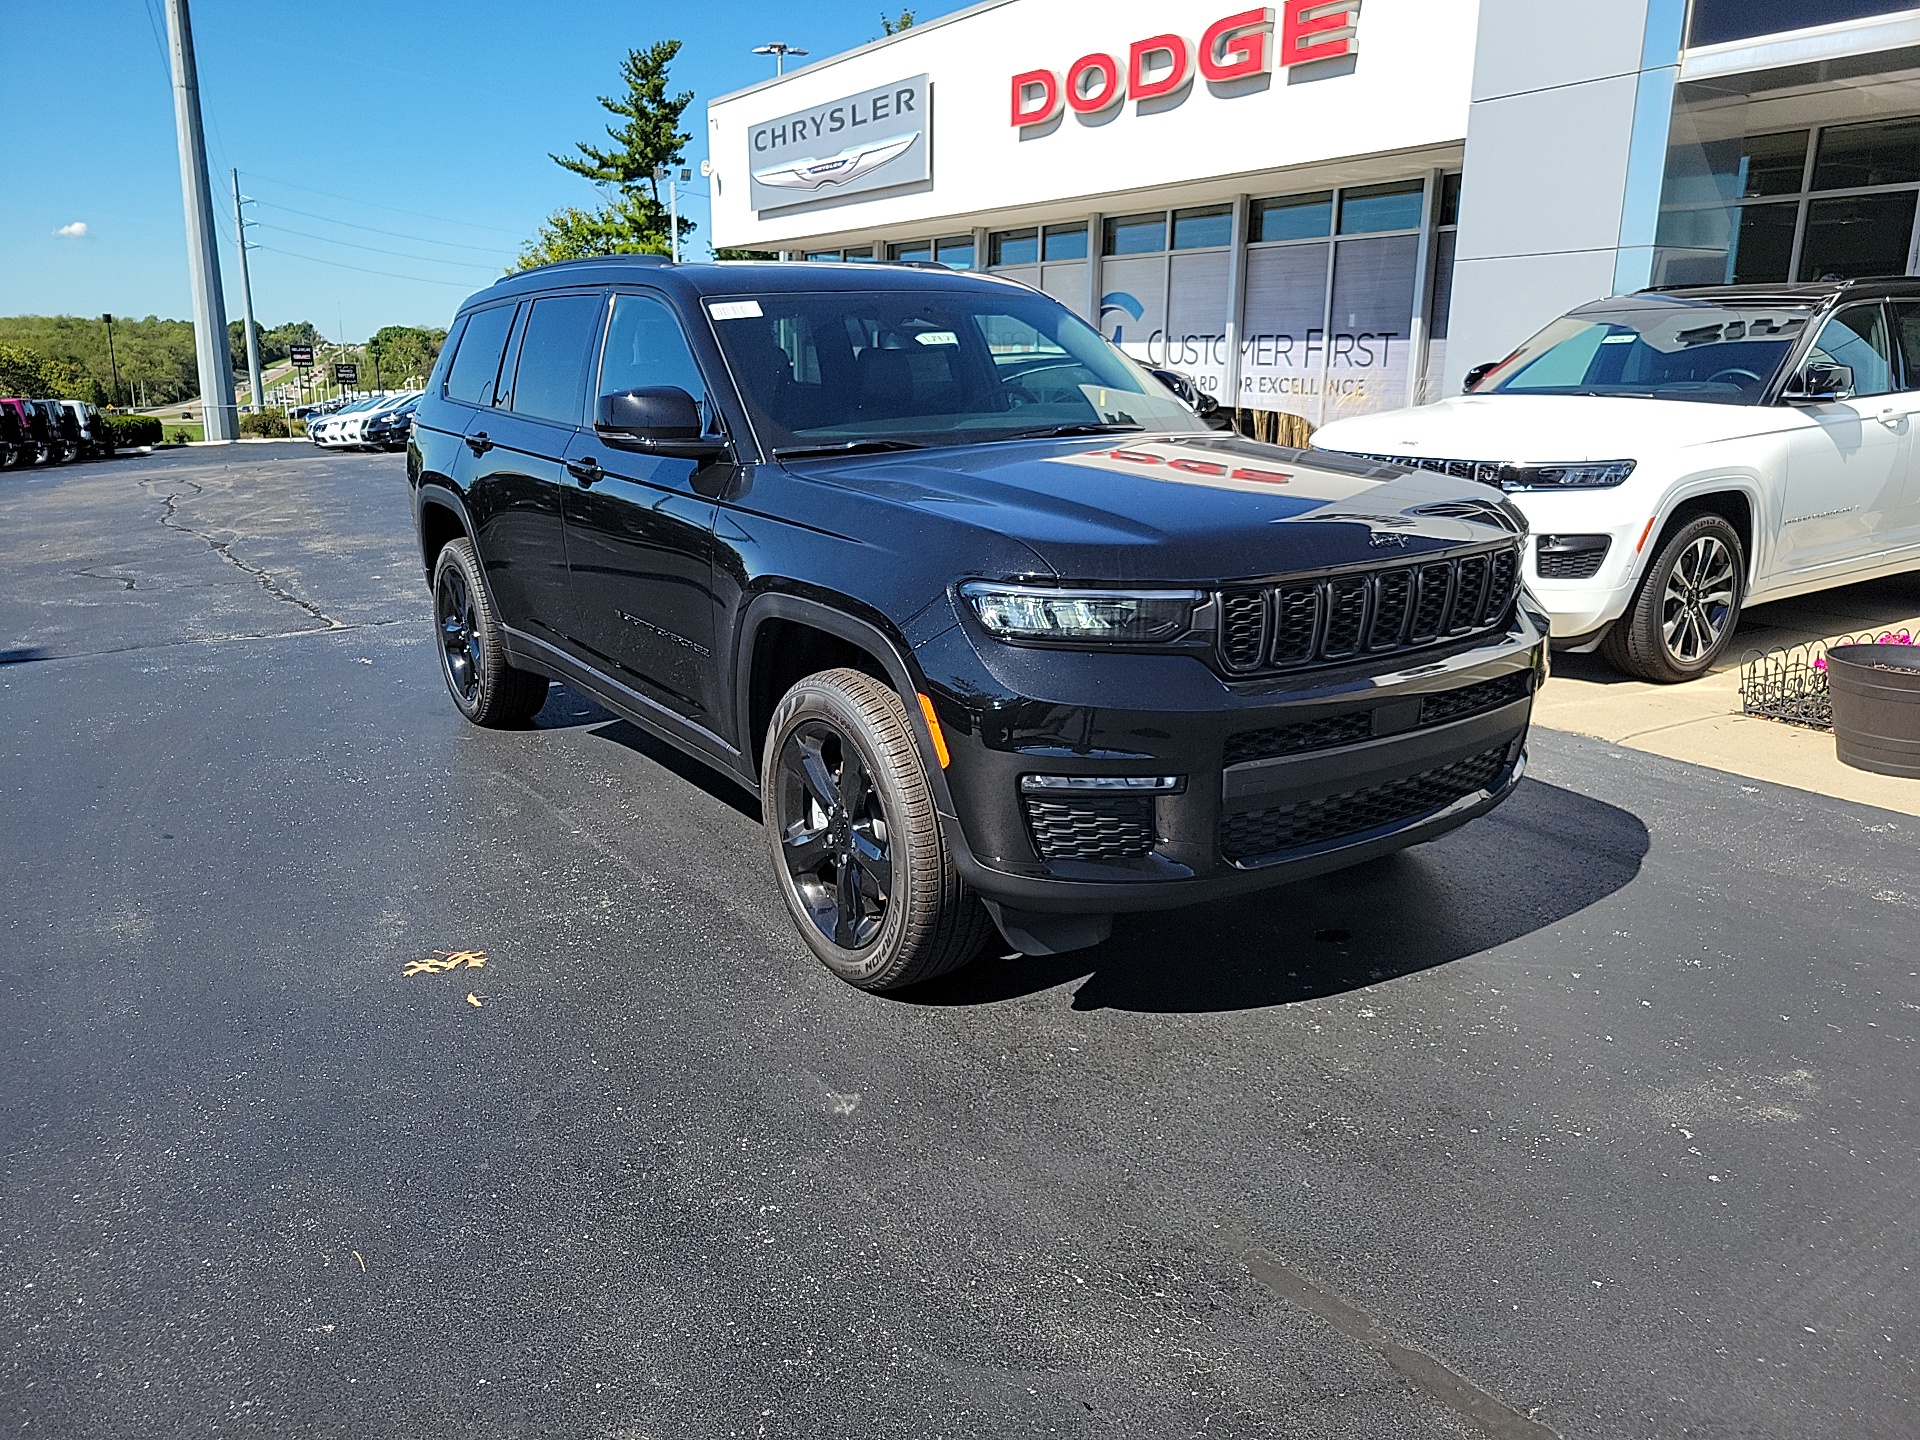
1327 207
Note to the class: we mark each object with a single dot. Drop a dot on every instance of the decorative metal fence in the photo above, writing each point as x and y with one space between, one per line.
1790 684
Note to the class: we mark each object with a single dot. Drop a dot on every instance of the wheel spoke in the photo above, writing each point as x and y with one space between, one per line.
854 785
846 908
806 761
875 865
805 849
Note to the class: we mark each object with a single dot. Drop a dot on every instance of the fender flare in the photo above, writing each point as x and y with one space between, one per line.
1739 484
890 650
432 493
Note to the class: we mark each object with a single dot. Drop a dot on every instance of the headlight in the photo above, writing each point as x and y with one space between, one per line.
1022 612
1594 475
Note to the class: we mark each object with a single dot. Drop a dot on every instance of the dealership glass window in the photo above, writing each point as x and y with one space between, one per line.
911 250
1450 199
1715 22
1135 234
1291 217
1881 152
1064 242
1786 205
955 251
1013 247
1203 227
823 254
1368 208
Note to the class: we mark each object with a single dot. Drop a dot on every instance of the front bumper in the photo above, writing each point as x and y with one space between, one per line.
1279 780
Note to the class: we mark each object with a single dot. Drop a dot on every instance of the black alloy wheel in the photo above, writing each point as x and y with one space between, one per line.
857 846
473 649
834 835
1684 614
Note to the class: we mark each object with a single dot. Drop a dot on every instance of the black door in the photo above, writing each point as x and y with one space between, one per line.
514 471
639 537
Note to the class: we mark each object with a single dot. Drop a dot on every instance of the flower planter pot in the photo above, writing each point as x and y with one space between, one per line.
1876 707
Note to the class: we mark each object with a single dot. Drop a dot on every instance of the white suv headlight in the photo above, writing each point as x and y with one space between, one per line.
1589 475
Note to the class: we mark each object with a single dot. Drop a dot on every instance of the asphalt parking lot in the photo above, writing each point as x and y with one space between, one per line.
1595 1119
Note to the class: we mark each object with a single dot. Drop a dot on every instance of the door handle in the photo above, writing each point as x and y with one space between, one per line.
1892 418
586 471
479 443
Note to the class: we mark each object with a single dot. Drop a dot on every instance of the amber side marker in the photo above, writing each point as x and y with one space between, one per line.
940 751
1643 536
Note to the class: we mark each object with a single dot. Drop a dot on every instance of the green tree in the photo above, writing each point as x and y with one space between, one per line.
21 374
634 220
893 26
155 354
274 343
402 353
730 252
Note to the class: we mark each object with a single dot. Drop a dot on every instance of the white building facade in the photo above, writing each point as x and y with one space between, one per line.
1327 207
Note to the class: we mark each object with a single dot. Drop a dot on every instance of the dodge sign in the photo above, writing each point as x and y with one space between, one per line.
875 140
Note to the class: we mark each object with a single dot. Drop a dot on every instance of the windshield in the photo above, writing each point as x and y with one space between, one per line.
837 368
1657 349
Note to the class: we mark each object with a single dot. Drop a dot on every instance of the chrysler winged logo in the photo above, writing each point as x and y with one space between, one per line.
850 164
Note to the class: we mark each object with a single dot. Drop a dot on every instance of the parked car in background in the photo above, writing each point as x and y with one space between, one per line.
332 431
389 429
17 433
997 637
1683 453
96 436
60 440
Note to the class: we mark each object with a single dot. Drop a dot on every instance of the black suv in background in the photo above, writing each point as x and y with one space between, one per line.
992 624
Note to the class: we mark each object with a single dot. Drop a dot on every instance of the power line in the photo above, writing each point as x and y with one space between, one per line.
376 205
377 250
376 230
362 269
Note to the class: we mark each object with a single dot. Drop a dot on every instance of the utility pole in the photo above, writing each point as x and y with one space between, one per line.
111 360
666 173
246 303
203 255
779 50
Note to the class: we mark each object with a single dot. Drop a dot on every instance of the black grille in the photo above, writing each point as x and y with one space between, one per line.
1311 822
1320 734
1571 557
1317 622
1485 472
1438 709
1119 827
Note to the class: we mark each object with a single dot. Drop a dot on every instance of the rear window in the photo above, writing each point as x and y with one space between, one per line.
477 362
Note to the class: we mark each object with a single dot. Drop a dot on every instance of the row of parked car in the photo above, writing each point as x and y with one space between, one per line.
51 432
381 422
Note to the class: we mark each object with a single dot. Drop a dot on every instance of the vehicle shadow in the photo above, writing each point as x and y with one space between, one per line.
1545 855
568 709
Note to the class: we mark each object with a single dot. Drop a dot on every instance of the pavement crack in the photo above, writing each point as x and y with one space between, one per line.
126 580
169 519
1492 1417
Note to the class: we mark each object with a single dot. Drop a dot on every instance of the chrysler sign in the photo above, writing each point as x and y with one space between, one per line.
875 140
1238 47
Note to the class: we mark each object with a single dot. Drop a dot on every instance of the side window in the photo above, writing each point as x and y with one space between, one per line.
476 363
1857 337
1906 320
646 348
550 380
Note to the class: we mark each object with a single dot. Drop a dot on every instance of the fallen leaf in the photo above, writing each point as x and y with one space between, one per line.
473 1000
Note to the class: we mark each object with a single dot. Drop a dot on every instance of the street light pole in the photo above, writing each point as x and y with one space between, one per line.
246 303
111 360
779 49
203 255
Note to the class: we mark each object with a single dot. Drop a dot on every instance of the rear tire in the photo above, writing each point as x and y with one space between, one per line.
1684 614
473 647
857 848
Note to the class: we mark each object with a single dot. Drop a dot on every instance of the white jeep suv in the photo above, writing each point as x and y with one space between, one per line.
1681 453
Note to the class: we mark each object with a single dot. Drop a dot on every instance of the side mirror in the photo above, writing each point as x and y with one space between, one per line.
1477 374
656 420
1191 395
1820 381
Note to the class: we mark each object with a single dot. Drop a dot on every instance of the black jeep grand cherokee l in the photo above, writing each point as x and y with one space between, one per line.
991 622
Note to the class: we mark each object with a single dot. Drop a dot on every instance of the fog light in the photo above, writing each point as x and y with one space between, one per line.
1102 784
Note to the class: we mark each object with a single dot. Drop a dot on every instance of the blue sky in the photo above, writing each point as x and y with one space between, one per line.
406 139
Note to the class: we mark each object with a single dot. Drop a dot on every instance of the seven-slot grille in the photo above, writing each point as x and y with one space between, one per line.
1337 617
1118 827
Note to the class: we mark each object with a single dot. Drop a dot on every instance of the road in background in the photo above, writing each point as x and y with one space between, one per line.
1604 1106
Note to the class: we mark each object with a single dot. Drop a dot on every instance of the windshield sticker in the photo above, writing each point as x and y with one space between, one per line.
937 337
735 310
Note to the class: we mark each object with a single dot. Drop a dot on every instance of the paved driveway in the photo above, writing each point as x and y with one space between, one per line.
1596 1118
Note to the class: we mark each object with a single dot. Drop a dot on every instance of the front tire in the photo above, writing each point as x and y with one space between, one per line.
473 647
857 848
1683 616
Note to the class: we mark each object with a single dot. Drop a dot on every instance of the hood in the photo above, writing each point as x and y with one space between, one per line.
1179 509
1549 429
